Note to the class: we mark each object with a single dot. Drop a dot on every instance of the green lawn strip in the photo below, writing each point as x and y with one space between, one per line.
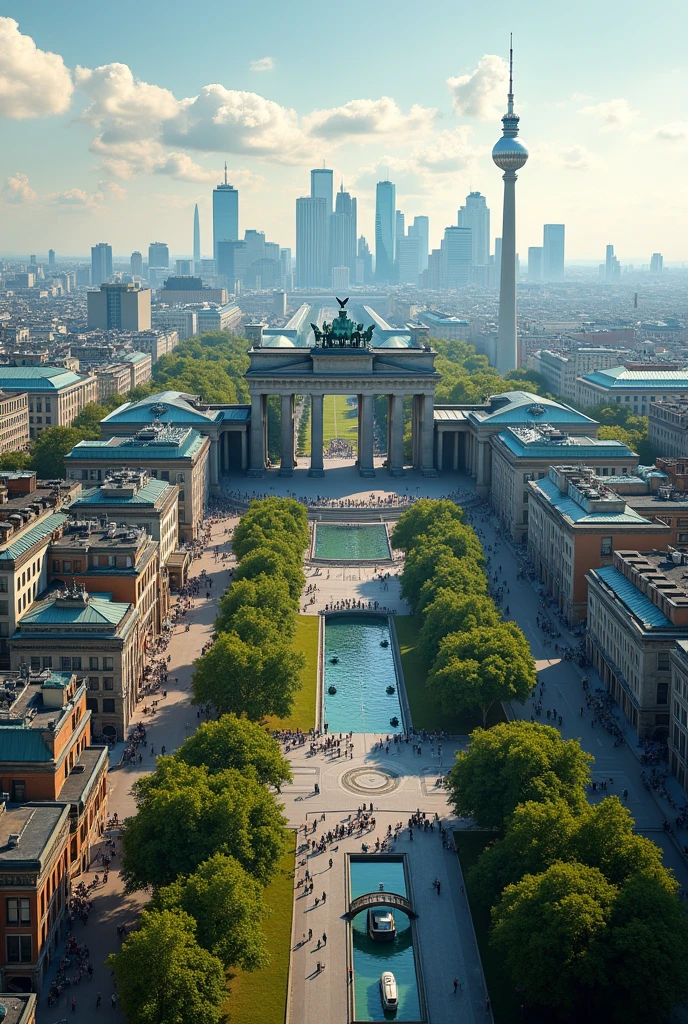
426 712
503 996
303 713
346 420
259 997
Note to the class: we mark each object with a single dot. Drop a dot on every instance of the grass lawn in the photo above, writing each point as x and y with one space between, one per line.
425 711
340 420
505 1002
303 712
260 997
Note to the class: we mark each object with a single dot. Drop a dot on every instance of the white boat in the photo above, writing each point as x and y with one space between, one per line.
388 991
381 927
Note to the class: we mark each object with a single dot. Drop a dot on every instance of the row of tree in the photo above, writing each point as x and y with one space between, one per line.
584 914
477 659
252 668
206 838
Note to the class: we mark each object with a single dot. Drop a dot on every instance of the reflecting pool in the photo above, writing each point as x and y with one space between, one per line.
359 664
351 543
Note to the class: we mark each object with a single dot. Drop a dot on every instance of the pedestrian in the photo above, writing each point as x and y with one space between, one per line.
113 1000
487 1004
73 1004
351 974
97 1000
438 887
310 934
324 938
456 985
324 897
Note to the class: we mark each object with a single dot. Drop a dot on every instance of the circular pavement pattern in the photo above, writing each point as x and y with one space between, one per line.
369 781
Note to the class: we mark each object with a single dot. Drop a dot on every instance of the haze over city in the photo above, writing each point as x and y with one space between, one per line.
116 131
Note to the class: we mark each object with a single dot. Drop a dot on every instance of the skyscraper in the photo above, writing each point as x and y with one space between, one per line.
322 187
420 229
196 240
158 255
101 263
312 269
136 264
364 262
553 239
51 257
456 256
385 231
344 233
408 259
399 225
535 263
656 263
612 267
509 154
225 214
476 216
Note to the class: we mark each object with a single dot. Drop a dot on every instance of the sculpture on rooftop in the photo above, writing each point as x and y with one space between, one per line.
342 332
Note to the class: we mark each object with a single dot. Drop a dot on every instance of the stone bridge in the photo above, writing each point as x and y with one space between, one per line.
393 900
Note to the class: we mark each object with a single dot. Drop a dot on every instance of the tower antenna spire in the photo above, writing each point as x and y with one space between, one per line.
510 105
225 172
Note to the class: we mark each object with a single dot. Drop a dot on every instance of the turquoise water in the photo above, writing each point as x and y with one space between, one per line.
372 958
361 676
351 543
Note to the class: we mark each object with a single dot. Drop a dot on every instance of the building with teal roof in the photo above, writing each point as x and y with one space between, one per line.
575 523
637 612
72 631
55 395
519 454
636 386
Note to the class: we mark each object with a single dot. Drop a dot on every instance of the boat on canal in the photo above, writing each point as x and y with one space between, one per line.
381 926
388 991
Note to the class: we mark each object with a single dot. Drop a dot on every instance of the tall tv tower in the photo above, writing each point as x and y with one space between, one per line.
197 242
509 154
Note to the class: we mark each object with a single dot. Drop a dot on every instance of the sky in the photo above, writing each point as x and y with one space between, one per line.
115 119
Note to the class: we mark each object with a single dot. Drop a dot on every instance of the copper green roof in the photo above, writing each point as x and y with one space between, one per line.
36 378
57 681
19 742
96 612
35 535
146 495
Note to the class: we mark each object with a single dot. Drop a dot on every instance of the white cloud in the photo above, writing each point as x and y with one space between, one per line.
18 190
181 167
33 83
614 114
565 158
365 118
262 64
580 97
447 151
674 131
482 92
124 107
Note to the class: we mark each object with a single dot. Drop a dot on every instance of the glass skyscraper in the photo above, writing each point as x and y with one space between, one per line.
312 269
553 252
101 263
225 214
385 231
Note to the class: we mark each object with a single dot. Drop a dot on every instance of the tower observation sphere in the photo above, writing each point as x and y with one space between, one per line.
509 153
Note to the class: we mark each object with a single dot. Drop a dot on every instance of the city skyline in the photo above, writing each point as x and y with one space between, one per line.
136 141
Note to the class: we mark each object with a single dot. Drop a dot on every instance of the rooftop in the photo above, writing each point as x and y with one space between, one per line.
640 606
653 586
113 492
166 406
19 1007
24 541
36 378
80 611
520 408
152 443
35 824
584 499
546 441
619 378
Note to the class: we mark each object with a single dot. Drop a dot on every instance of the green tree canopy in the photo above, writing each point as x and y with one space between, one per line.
268 593
238 678
271 563
549 928
514 762
16 460
163 975
450 573
51 447
233 742
415 522
482 667
89 419
185 815
451 612
227 905
281 518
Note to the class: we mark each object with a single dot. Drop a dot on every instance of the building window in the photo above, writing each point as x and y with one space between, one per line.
4 589
92 705
108 683
93 664
606 546
663 662
108 663
66 565
18 911
18 791
108 706
93 683
662 693
48 661
18 949
66 664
